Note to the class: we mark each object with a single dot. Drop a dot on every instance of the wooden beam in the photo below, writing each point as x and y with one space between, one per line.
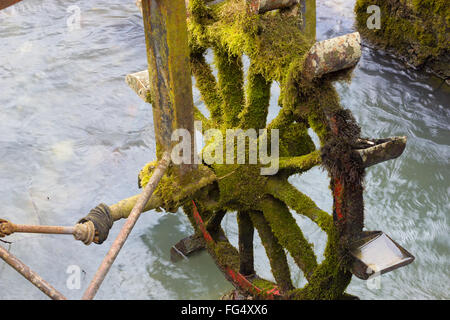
140 84
332 55
262 6
380 150
166 38
246 231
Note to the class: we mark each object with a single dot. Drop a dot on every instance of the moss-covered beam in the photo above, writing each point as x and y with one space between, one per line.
206 84
308 8
246 231
213 223
274 251
298 201
289 234
257 101
292 165
166 38
230 83
331 277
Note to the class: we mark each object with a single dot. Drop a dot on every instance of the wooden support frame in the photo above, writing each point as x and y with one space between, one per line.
166 38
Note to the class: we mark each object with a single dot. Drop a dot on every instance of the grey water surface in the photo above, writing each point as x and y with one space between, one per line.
72 135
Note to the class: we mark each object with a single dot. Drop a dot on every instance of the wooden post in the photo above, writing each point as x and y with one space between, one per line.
169 70
308 9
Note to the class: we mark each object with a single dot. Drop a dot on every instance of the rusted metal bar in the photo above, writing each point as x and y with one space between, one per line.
6 3
166 38
84 232
7 228
127 227
332 55
30 275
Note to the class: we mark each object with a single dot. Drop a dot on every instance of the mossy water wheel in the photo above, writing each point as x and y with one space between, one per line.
276 47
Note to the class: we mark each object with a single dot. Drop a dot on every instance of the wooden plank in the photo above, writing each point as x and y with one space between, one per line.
140 84
169 71
333 55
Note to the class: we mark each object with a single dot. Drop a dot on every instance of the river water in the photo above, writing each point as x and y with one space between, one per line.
72 135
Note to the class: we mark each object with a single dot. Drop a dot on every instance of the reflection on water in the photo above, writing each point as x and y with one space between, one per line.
72 135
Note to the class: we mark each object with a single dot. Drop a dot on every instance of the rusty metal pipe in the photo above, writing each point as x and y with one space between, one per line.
30 275
8 228
127 227
84 232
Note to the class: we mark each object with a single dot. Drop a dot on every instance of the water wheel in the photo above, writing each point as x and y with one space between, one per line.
279 50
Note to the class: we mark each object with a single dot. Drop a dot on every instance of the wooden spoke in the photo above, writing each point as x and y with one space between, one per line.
246 231
275 252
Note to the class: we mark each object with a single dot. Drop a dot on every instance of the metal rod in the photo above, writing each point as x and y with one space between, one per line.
22 228
126 229
30 275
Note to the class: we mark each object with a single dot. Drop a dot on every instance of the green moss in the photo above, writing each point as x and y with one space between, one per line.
276 48
263 284
241 186
299 164
275 252
295 140
206 123
206 84
302 204
172 189
319 124
256 108
230 82
331 277
226 254
289 235
416 30
271 41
